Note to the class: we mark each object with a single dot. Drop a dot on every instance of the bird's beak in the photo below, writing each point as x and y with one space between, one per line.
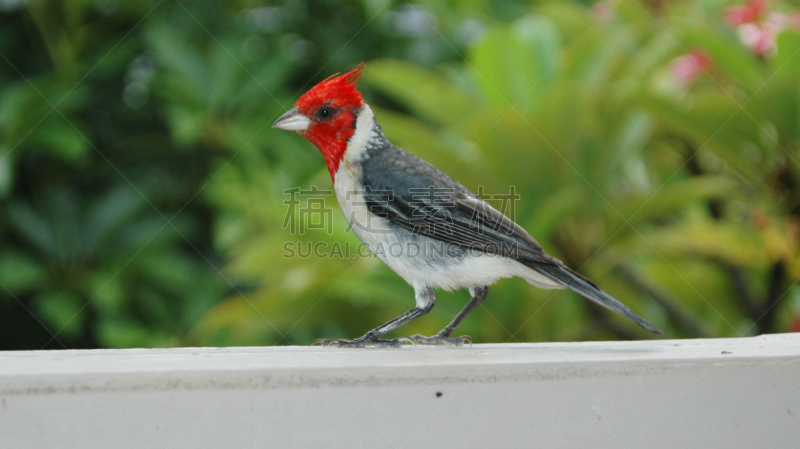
292 120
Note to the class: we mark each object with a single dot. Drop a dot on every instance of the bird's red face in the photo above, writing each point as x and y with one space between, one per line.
326 116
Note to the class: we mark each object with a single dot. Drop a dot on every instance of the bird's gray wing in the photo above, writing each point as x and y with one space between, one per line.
414 195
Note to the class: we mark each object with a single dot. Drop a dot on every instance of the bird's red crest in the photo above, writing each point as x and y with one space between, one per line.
340 90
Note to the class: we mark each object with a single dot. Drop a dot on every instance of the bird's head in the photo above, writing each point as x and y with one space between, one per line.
326 115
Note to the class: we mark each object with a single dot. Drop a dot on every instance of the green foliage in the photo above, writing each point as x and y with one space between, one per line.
144 193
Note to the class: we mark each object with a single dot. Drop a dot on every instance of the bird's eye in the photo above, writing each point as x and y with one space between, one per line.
326 112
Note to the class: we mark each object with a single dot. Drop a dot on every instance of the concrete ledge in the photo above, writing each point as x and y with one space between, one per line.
659 393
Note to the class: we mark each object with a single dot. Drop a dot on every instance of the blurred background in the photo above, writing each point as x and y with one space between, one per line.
653 146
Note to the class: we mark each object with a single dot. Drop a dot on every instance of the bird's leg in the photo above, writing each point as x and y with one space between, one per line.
444 336
372 338
425 300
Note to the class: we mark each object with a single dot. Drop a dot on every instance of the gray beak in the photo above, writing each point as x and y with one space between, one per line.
292 120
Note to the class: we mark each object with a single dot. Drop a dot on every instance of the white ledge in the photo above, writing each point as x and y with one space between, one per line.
660 393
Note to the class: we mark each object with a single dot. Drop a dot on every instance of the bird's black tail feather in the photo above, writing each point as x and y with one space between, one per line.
588 290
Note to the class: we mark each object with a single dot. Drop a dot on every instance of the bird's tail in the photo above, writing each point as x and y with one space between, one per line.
588 290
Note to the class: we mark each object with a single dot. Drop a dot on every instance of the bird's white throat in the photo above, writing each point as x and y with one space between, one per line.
365 134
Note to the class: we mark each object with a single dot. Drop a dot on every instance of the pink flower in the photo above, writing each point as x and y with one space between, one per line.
761 37
757 32
757 37
687 68
748 13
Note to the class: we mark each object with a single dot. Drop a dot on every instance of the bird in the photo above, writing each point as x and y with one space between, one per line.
428 228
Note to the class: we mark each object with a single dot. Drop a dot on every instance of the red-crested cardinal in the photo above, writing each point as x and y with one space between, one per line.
425 226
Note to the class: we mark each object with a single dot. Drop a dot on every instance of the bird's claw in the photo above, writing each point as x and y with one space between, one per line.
440 339
363 343
405 340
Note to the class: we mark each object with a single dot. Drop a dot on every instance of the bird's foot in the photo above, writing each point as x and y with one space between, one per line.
441 339
363 342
